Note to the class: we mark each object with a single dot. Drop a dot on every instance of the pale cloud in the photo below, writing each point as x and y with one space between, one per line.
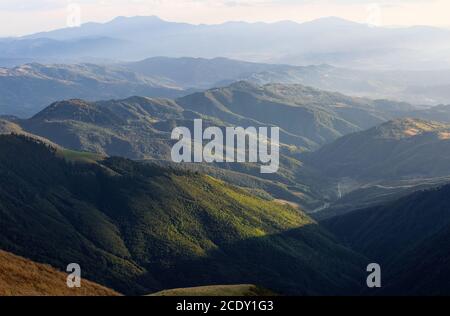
19 17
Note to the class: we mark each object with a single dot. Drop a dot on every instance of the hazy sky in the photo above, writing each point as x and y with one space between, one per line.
18 17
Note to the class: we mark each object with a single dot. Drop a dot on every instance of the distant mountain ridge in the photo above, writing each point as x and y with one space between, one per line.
347 43
28 88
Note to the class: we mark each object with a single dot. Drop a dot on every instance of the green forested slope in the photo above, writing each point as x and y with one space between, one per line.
409 238
140 228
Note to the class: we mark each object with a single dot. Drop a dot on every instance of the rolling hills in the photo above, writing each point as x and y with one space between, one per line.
86 177
140 228
139 128
415 87
316 115
28 88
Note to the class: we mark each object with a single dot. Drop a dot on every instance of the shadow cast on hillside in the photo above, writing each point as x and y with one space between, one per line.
302 261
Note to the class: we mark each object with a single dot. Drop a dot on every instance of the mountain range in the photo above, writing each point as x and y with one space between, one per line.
86 174
27 88
139 128
141 227
327 40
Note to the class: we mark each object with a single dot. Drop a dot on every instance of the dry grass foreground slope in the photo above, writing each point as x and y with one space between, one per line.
22 277
218 290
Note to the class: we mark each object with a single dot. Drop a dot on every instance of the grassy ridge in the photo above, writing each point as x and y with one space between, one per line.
218 290
22 277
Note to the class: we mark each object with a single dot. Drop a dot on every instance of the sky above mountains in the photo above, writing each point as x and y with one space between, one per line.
20 17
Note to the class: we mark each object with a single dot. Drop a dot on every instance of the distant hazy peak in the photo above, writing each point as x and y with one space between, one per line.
332 21
328 21
153 18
